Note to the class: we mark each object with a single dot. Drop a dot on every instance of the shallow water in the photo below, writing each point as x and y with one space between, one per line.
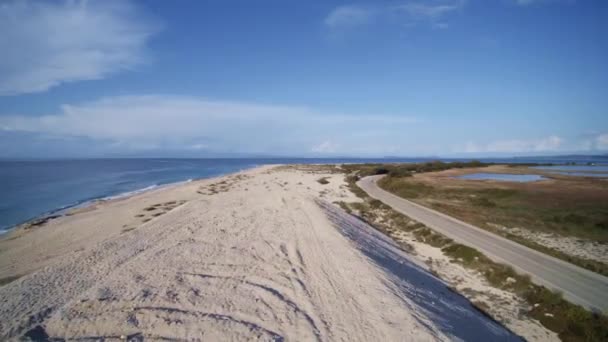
502 177
600 171
594 168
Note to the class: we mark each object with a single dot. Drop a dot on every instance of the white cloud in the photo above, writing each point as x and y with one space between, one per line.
177 122
45 44
551 143
409 12
348 16
548 144
537 2
432 12
325 147
601 141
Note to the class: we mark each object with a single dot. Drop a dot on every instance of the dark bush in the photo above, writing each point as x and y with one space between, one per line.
399 172
381 171
323 180
602 224
574 219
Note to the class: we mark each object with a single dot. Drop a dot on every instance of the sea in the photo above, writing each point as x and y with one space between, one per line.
37 188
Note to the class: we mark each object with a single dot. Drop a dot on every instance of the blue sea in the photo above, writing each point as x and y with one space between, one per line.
30 189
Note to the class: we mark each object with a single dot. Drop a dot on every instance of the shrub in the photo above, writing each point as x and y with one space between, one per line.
381 171
467 254
483 202
574 219
399 172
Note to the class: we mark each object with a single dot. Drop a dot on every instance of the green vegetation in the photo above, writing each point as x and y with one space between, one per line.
571 322
398 170
344 206
413 190
351 180
428 236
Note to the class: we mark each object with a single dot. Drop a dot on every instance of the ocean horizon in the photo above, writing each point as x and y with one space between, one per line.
38 188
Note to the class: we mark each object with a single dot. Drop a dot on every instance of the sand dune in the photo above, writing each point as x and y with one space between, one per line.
262 255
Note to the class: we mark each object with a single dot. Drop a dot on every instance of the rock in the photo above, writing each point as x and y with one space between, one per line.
548 315
511 280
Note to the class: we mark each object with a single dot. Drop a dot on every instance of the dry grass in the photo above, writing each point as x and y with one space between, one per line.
564 206
571 322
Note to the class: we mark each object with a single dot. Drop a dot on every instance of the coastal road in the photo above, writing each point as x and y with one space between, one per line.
578 285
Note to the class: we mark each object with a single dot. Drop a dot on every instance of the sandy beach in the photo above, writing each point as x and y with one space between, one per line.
259 255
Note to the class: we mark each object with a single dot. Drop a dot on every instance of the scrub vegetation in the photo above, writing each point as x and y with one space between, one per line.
571 322
407 170
570 207
323 180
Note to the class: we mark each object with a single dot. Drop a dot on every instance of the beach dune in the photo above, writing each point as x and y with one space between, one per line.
263 254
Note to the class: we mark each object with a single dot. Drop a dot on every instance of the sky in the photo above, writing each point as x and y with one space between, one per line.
451 78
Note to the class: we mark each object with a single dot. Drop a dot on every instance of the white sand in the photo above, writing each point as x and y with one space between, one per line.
582 248
502 305
257 258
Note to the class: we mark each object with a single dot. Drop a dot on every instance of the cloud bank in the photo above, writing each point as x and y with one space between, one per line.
45 44
586 143
349 16
601 142
166 125
160 122
549 144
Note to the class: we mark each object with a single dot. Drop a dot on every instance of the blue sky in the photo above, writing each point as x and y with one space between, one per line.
303 78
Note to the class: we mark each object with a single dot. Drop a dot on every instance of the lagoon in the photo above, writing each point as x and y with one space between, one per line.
502 177
600 171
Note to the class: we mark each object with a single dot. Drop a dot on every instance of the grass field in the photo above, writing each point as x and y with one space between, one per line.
567 206
574 208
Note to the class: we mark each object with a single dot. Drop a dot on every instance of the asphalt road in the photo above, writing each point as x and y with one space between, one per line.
578 285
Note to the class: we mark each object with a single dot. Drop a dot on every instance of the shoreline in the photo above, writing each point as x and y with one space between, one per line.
241 256
54 236
83 204
62 210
